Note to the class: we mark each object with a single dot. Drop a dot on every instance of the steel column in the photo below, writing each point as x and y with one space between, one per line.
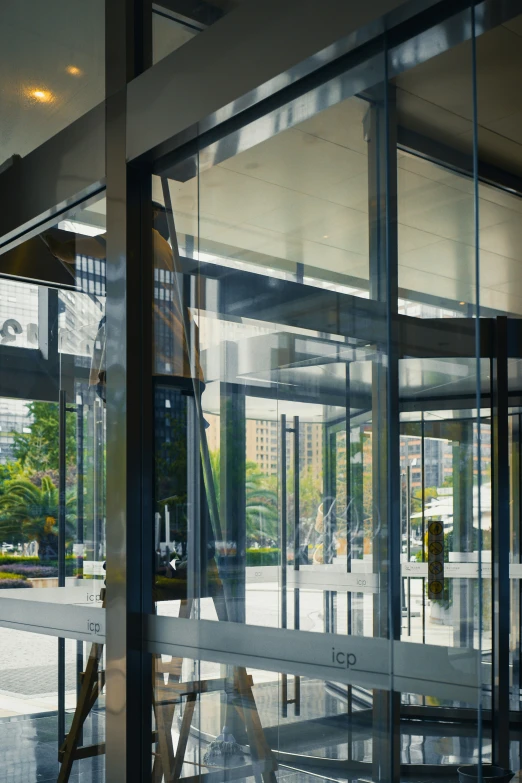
501 547
130 427
380 131
62 475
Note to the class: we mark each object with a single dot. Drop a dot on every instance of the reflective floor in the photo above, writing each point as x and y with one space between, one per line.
28 745
29 750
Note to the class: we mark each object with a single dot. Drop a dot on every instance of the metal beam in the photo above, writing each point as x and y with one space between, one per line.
457 160
199 14
246 75
62 172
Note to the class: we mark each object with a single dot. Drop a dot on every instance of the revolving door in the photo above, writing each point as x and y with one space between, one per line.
294 424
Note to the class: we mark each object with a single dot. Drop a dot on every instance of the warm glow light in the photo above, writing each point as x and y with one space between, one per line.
461 303
44 96
73 70
325 236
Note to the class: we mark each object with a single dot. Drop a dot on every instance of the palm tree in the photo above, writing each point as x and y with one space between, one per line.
30 513
261 502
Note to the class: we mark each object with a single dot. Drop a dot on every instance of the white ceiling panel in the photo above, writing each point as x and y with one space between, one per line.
281 162
341 124
309 216
435 284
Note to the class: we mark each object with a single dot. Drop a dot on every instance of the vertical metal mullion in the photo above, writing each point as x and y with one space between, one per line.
408 540
392 394
382 214
514 474
349 516
329 500
129 270
501 546
284 609
62 475
297 554
518 537
79 527
297 521
423 500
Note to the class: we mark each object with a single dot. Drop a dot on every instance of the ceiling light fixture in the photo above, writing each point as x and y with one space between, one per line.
43 96
73 70
462 303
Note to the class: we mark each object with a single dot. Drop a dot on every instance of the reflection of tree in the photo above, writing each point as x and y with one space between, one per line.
30 513
171 462
39 449
261 500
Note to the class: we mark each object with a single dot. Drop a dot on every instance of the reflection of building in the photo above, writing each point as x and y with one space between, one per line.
438 458
19 328
18 314
79 314
311 446
263 444
13 418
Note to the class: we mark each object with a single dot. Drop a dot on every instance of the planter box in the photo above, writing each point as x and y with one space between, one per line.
439 614
49 581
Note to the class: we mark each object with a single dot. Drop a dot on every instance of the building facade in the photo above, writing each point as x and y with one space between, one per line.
263 261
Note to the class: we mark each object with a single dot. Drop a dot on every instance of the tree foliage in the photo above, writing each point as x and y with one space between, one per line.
261 500
30 513
39 449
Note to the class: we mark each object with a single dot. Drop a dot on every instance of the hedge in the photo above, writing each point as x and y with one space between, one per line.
7 584
4 559
7 575
264 556
32 570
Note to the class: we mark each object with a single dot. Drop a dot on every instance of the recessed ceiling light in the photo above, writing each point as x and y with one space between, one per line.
325 236
73 70
462 303
43 96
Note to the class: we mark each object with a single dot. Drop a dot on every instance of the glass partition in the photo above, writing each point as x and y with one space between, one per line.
325 543
322 467
52 496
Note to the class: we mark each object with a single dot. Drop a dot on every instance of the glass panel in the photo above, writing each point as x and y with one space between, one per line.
292 207
49 368
30 707
176 23
52 68
52 496
327 728
499 152
286 410
169 34
446 491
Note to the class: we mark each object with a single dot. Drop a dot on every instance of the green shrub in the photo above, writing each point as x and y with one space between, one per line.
6 575
6 584
14 559
264 556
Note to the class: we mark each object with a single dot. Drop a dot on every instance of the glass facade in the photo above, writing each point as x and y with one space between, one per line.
260 404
